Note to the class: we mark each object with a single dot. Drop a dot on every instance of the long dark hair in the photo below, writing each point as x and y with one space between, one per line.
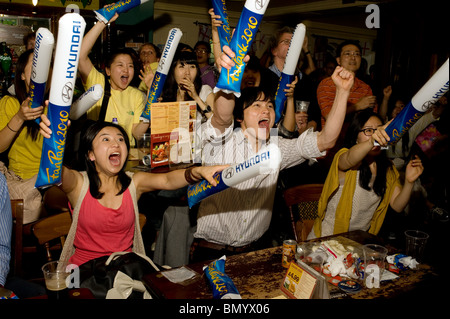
382 161
21 91
170 90
87 138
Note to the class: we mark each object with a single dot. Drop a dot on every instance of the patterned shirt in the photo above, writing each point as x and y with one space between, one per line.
326 92
241 214
5 230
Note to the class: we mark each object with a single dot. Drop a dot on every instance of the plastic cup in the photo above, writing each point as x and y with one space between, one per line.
374 264
55 280
301 106
143 145
416 241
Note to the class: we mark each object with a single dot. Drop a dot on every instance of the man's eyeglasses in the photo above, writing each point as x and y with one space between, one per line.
285 41
348 54
368 131
202 51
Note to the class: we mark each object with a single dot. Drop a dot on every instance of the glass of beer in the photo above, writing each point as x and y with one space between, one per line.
143 146
55 276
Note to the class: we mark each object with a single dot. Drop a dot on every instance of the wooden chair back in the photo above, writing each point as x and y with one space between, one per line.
56 227
17 237
302 201
51 232
142 220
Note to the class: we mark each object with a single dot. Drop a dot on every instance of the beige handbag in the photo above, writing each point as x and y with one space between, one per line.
24 189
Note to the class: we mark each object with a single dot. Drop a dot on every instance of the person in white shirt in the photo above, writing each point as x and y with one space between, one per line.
235 220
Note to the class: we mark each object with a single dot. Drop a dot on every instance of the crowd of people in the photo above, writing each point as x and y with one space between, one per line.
340 142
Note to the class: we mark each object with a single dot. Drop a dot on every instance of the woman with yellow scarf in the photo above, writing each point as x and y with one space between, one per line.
362 181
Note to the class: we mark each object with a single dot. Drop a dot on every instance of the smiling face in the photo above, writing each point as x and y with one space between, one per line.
109 151
258 118
350 57
121 71
372 123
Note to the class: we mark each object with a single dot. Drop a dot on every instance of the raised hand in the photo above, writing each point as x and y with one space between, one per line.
387 91
225 59
291 87
414 169
380 135
343 78
215 19
147 75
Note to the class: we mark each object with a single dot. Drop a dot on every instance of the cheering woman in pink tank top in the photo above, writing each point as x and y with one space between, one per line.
105 216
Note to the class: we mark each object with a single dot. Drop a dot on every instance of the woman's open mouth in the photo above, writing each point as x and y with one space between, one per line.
250 82
124 79
114 159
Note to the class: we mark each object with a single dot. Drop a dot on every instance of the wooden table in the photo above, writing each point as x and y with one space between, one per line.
259 274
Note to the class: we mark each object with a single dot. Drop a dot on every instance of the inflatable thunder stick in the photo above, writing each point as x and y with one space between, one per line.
105 14
244 34
221 284
40 67
86 101
432 91
224 30
70 35
264 161
290 64
161 72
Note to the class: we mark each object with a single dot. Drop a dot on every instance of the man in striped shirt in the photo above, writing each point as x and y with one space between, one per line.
5 230
235 220
361 97
8 284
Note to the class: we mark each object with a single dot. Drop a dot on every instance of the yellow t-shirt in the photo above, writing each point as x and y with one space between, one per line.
127 106
25 154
